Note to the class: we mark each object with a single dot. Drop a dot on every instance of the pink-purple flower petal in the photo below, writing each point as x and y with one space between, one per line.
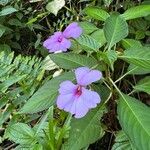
57 42
85 76
80 73
72 31
64 100
65 44
71 107
67 87
81 108
91 98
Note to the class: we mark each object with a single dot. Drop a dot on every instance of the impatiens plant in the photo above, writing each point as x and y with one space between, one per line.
92 90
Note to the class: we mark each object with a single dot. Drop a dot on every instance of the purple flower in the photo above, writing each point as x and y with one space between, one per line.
72 31
60 40
77 99
57 42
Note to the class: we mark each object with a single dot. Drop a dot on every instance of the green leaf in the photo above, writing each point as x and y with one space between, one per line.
5 114
22 148
6 48
10 81
7 11
140 24
49 64
102 90
46 95
55 6
127 43
96 13
139 34
133 69
89 42
85 131
15 22
134 119
137 70
107 2
31 147
72 61
4 100
138 56
99 36
115 29
136 12
109 57
143 85
2 30
87 27
122 142
4 2
21 133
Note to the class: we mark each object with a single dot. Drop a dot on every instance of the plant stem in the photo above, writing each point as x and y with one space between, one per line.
113 83
117 1
107 84
68 9
108 97
125 74
131 92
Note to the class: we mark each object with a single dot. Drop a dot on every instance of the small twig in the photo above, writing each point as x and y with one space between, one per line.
109 145
11 146
135 84
131 92
125 74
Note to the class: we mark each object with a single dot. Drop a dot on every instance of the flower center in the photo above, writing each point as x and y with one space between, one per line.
78 91
60 39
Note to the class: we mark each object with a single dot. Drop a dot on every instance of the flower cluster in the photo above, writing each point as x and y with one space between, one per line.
74 98
77 99
60 41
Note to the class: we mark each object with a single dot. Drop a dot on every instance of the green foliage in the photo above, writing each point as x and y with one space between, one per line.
143 85
99 36
115 29
55 6
110 57
87 27
21 133
127 43
96 13
136 12
17 75
2 30
107 2
133 69
71 61
89 125
89 43
85 131
30 77
45 96
32 147
133 55
132 112
122 142
7 11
